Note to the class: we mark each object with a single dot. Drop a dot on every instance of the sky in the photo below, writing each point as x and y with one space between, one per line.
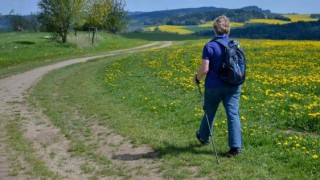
24 7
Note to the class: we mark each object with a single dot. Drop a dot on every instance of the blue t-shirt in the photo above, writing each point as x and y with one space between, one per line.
214 52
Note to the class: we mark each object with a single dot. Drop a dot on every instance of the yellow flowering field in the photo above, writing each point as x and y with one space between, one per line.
280 104
171 29
208 24
293 17
300 17
233 24
188 29
267 21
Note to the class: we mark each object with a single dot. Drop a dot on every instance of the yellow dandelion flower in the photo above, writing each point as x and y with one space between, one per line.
315 156
244 97
267 91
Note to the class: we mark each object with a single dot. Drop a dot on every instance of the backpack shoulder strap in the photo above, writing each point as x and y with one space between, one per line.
222 42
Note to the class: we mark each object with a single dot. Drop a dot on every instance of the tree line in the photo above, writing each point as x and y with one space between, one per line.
19 23
59 16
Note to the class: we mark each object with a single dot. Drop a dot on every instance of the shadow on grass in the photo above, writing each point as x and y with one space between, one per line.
194 148
133 157
170 149
25 42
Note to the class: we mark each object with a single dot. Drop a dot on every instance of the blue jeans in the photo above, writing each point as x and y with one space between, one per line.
230 96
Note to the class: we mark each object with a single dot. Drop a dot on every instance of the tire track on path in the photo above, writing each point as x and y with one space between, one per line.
36 126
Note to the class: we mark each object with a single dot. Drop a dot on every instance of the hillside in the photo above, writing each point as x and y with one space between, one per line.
297 30
247 22
196 16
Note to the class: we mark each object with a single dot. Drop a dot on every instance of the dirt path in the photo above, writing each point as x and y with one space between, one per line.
46 138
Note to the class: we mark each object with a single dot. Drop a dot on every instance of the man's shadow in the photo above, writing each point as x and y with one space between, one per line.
193 148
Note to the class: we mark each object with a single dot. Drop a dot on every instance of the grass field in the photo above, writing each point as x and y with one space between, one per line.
150 99
160 36
171 29
22 50
300 17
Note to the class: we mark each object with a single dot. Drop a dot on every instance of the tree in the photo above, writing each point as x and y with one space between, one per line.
116 19
157 29
33 22
96 12
78 15
56 15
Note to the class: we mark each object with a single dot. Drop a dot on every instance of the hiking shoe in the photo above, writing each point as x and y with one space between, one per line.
200 140
234 151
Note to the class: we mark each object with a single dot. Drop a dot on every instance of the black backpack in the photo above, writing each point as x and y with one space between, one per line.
233 70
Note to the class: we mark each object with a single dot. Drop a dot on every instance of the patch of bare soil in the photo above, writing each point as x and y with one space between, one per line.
139 161
50 145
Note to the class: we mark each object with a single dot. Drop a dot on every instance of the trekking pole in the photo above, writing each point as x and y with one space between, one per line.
211 136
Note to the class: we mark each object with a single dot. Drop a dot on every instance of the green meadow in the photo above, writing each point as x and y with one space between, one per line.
20 51
150 99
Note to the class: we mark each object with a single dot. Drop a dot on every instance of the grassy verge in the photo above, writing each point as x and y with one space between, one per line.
36 167
74 121
21 51
160 36
150 99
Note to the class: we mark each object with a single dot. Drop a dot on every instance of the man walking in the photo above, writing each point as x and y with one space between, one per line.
217 91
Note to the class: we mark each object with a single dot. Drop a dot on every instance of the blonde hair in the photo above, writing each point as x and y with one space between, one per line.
221 25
